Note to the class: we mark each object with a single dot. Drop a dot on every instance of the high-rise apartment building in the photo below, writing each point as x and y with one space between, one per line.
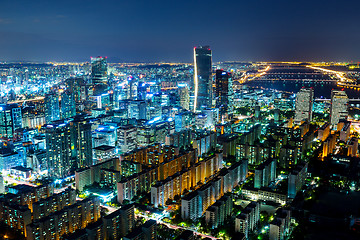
296 179
52 107
265 173
248 219
99 70
304 105
58 149
81 142
202 77
119 223
224 92
338 109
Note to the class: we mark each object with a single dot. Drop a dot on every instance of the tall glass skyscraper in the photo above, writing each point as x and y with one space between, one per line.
202 77
99 70
224 92
10 120
68 107
52 107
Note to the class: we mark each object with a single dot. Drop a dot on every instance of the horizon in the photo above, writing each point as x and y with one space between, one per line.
162 31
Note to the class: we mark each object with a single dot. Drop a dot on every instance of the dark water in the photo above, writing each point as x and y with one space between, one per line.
321 89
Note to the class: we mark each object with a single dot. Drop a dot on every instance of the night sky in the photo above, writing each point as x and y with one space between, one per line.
159 30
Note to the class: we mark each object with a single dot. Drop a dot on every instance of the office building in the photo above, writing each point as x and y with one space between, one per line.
183 92
136 109
339 107
52 107
10 120
202 78
102 153
81 142
184 120
9 159
304 105
224 92
126 138
99 70
68 106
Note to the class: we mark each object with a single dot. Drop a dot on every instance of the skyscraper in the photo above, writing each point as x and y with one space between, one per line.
58 149
304 105
183 91
338 109
202 77
68 108
10 120
99 70
224 92
52 108
81 142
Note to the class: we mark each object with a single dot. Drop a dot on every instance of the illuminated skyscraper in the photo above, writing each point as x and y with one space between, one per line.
10 120
202 77
224 92
58 149
68 108
81 142
338 109
183 91
99 70
52 107
304 104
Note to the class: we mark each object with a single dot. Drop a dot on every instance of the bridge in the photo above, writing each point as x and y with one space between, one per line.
296 80
328 99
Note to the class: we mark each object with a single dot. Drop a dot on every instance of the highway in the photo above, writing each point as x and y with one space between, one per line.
338 74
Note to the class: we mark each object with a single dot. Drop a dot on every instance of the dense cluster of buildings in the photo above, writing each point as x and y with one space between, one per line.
164 135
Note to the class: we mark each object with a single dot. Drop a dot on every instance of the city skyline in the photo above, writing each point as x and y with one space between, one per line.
162 31
112 128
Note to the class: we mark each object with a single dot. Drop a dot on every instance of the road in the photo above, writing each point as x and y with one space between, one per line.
254 76
338 74
11 180
177 227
